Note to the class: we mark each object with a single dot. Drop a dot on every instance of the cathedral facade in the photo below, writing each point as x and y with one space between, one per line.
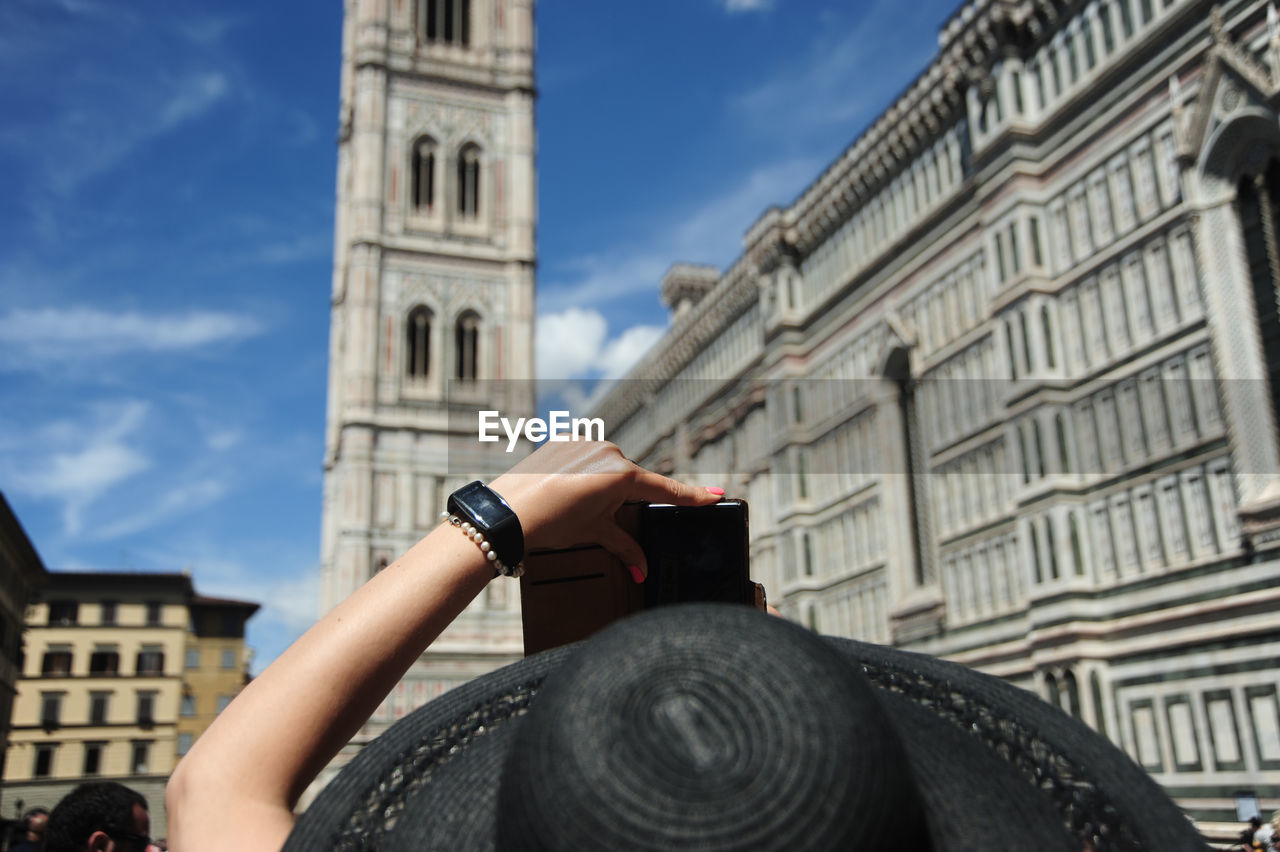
1002 384
433 296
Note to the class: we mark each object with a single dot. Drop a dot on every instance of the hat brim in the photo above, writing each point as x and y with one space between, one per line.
991 762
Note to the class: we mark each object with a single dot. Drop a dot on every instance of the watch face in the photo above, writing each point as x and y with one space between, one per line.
487 512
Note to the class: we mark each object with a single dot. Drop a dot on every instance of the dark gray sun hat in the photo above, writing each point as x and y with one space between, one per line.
717 727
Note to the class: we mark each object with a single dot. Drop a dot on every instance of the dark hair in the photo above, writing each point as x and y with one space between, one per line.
95 806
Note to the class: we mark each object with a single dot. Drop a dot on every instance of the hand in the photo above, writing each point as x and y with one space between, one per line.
566 494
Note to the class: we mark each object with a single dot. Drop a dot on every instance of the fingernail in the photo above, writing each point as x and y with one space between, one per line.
635 573
719 492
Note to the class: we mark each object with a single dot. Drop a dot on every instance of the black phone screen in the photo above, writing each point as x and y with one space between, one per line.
696 554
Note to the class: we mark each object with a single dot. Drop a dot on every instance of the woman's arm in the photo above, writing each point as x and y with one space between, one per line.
237 786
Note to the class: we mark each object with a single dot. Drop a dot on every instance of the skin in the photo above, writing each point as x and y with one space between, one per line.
237 787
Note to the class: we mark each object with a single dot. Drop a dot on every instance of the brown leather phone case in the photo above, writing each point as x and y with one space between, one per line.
567 595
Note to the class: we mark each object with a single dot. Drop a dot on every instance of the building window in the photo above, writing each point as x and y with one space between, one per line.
469 182
50 709
1073 693
223 702
1099 713
418 343
447 21
104 661
93 758
1034 541
108 612
146 708
188 708
1108 35
423 170
43 767
1086 35
466 333
151 660
193 658
63 612
155 609
807 542
1050 357
797 404
185 741
99 704
140 762
1077 553
56 662
229 659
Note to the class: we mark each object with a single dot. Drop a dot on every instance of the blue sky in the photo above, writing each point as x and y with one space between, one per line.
166 215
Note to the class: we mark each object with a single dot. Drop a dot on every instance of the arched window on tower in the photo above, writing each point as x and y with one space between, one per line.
423 172
466 333
1258 203
417 344
469 182
447 21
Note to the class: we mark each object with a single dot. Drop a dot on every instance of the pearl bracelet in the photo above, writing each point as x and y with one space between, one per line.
470 531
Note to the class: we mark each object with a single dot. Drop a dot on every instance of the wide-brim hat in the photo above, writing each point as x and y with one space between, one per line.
718 727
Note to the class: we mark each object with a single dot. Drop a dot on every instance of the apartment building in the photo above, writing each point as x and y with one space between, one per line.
104 682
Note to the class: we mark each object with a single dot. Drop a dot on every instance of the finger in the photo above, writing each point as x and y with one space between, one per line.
616 540
656 488
772 610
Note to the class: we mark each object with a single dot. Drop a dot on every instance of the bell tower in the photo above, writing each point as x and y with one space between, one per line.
433 295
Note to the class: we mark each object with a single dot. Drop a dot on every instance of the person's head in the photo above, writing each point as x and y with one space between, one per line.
35 821
1255 821
100 816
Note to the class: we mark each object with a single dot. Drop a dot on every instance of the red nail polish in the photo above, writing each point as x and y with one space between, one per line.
719 492
635 573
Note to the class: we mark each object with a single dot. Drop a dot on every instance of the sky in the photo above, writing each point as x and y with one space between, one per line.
167 172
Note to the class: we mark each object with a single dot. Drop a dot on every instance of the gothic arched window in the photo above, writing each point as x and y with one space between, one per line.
417 362
469 182
447 21
423 172
466 332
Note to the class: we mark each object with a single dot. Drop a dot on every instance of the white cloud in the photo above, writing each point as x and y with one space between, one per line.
848 74
76 150
568 343
734 6
184 498
574 344
56 334
624 351
711 232
101 458
224 439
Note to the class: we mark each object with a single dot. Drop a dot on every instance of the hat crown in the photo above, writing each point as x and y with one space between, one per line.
710 726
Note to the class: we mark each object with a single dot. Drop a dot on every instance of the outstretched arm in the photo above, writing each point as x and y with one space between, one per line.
237 786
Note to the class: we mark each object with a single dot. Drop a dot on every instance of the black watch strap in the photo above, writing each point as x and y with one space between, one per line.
489 513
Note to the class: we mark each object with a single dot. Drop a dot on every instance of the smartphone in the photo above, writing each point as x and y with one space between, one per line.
694 554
